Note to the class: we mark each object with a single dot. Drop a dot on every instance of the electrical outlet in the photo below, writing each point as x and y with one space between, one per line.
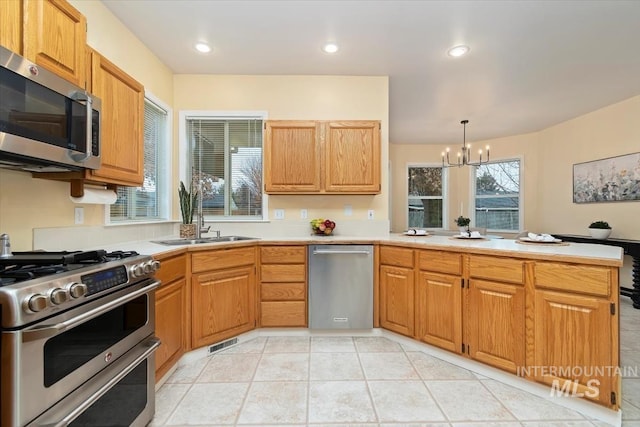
303 214
78 215
348 210
370 214
278 214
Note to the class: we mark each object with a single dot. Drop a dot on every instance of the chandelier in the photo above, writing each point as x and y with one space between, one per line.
464 156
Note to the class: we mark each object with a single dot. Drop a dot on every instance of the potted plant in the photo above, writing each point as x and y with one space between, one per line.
463 223
600 229
188 201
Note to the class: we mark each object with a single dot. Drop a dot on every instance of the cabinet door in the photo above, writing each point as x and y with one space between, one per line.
56 38
352 157
121 123
170 325
396 299
292 158
12 24
571 344
439 310
496 324
223 304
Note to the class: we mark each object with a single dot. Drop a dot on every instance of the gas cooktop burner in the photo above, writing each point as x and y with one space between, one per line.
30 265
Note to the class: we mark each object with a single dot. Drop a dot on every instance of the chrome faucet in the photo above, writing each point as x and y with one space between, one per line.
200 228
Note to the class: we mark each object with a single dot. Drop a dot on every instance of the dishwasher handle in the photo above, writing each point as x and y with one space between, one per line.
341 252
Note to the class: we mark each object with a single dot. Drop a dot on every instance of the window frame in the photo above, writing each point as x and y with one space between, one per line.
166 201
445 193
472 201
183 152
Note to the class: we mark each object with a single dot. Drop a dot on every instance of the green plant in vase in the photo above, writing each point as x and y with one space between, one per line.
188 201
600 229
463 223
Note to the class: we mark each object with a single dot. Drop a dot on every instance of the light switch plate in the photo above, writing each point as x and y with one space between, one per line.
348 210
303 214
78 215
278 214
370 214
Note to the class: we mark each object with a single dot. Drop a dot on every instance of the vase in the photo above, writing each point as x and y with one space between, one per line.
600 233
464 229
187 231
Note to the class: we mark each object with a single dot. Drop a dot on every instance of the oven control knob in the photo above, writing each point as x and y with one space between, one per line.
37 302
77 290
148 267
155 265
137 270
58 296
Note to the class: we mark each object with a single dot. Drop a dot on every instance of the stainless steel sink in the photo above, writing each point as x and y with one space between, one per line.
175 242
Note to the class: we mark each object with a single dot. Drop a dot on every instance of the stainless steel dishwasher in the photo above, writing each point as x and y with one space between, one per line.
340 286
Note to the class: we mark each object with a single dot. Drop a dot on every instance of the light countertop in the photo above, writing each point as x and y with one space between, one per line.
589 253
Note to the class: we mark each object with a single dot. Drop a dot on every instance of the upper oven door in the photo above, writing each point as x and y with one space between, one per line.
63 352
45 118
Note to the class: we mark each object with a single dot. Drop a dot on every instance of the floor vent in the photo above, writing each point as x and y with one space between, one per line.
222 345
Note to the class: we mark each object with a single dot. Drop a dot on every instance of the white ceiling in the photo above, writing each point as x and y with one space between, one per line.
532 64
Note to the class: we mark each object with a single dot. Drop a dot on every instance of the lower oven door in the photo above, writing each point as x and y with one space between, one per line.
122 395
51 359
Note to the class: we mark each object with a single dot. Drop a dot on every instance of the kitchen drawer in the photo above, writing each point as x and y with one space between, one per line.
400 257
501 269
283 291
284 313
171 269
283 254
584 279
283 273
441 262
222 258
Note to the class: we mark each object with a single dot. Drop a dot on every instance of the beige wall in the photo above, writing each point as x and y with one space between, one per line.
27 203
548 159
523 147
611 131
298 97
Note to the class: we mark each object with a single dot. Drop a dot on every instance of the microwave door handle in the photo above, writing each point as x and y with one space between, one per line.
88 102
47 331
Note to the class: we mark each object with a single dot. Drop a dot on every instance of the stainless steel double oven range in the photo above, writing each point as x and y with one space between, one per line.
77 339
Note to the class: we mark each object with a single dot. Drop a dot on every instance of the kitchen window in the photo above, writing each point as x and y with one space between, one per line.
150 201
426 196
498 199
224 157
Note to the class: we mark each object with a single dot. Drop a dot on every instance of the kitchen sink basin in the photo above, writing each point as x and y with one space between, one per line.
175 242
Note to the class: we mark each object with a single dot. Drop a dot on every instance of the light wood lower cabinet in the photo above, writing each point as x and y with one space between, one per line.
223 294
396 299
172 308
495 323
283 286
439 310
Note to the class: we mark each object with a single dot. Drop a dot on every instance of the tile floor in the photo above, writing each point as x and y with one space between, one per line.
363 381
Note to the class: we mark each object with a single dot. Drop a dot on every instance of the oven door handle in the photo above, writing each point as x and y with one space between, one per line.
152 345
46 331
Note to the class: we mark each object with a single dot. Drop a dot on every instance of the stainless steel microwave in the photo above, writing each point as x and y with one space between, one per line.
47 124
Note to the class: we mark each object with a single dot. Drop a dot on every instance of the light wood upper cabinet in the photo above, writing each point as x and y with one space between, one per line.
352 157
122 124
50 33
439 310
292 156
308 157
12 25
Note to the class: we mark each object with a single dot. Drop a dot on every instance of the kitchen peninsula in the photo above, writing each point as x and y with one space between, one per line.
533 310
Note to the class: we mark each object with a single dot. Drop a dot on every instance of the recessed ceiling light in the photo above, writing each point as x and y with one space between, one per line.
203 47
458 51
330 48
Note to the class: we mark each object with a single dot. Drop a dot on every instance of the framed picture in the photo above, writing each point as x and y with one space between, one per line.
615 179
